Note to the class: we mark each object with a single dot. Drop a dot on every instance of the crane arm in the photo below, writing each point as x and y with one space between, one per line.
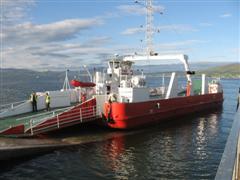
181 57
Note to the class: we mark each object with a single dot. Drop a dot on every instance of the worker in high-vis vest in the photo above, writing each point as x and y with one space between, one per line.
112 98
33 99
47 101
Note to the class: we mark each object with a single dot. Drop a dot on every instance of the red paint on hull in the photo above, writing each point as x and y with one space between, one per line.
19 129
131 115
68 118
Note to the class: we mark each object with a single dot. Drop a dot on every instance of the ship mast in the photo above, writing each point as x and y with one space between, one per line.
66 85
151 55
149 27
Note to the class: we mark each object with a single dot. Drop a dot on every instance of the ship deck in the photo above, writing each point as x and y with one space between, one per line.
26 118
33 123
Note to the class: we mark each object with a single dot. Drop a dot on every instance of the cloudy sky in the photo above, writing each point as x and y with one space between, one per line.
67 33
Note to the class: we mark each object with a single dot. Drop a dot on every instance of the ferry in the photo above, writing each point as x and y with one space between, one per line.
132 104
119 97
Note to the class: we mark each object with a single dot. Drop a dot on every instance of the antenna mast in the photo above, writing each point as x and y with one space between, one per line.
149 27
66 85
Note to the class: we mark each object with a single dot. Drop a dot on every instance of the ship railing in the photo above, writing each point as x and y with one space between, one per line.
229 168
44 115
56 120
5 107
40 116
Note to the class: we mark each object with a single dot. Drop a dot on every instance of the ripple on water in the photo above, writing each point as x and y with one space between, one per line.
188 149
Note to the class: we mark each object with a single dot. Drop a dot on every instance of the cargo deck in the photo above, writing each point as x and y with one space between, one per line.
33 123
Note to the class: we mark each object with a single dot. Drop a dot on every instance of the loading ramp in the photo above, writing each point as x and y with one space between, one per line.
30 125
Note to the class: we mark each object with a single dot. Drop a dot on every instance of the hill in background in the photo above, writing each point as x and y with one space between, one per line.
224 71
17 84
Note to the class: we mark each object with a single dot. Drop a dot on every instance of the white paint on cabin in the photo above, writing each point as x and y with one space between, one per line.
132 94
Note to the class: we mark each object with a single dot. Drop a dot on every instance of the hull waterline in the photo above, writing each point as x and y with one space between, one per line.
131 115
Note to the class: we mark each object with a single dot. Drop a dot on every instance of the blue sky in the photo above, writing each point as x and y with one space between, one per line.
45 34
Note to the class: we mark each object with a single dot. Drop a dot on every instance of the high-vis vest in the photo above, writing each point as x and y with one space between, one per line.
33 97
48 99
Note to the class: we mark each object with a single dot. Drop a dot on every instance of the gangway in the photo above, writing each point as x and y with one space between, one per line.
50 121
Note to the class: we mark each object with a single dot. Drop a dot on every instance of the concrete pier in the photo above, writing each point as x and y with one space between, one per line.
229 167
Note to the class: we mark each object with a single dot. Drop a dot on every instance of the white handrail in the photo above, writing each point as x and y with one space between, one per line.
75 116
6 107
18 102
44 113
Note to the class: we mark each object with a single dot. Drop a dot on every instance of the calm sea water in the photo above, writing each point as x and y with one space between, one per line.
189 148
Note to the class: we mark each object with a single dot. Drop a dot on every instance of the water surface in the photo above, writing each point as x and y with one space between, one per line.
188 148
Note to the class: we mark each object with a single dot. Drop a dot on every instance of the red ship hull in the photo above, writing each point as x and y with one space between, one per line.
131 115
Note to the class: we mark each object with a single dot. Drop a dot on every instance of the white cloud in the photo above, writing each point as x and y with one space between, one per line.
15 10
98 41
28 33
183 43
138 10
226 15
42 55
132 9
28 45
178 46
236 51
63 55
131 31
179 28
